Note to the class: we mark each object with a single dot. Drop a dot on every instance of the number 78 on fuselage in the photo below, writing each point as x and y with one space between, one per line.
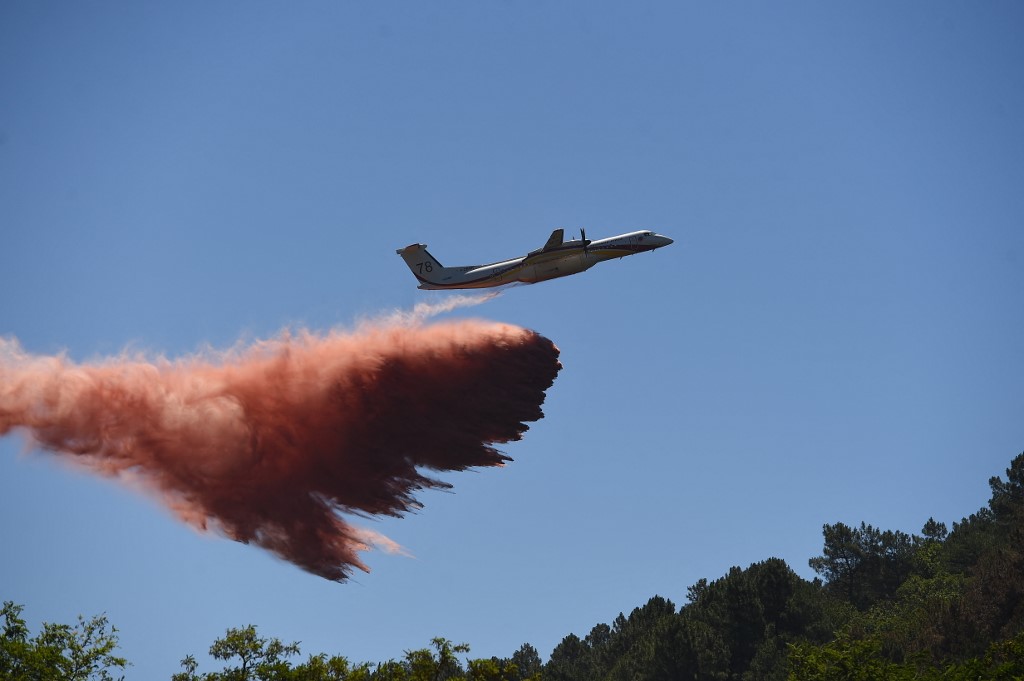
557 258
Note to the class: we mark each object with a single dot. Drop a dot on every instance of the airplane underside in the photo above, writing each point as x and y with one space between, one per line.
558 258
562 267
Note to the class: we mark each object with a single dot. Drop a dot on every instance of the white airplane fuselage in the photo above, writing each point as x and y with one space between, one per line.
552 261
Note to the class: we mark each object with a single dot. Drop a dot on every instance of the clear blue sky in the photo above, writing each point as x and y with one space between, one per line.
836 334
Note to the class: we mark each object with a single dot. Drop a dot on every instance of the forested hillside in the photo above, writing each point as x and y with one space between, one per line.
944 604
888 604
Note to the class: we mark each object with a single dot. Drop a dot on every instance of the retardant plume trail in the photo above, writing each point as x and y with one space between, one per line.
270 443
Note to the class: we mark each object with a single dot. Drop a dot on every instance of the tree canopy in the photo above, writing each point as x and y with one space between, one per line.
944 604
79 652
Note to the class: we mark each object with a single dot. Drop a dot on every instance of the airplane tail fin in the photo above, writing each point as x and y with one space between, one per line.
424 266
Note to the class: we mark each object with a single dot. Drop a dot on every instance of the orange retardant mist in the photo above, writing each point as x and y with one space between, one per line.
273 443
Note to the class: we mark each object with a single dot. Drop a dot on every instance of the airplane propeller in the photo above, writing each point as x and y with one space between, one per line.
583 238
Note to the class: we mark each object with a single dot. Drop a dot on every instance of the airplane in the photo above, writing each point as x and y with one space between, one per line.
557 258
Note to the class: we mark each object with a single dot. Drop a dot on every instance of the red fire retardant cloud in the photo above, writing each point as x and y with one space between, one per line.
271 443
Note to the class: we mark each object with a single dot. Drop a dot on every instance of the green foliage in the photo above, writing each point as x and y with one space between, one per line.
945 605
257 658
756 612
734 627
623 650
994 598
864 565
336 668
847 659
957 613
424 665
892 605
570 660
261 659
527 663
83 652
